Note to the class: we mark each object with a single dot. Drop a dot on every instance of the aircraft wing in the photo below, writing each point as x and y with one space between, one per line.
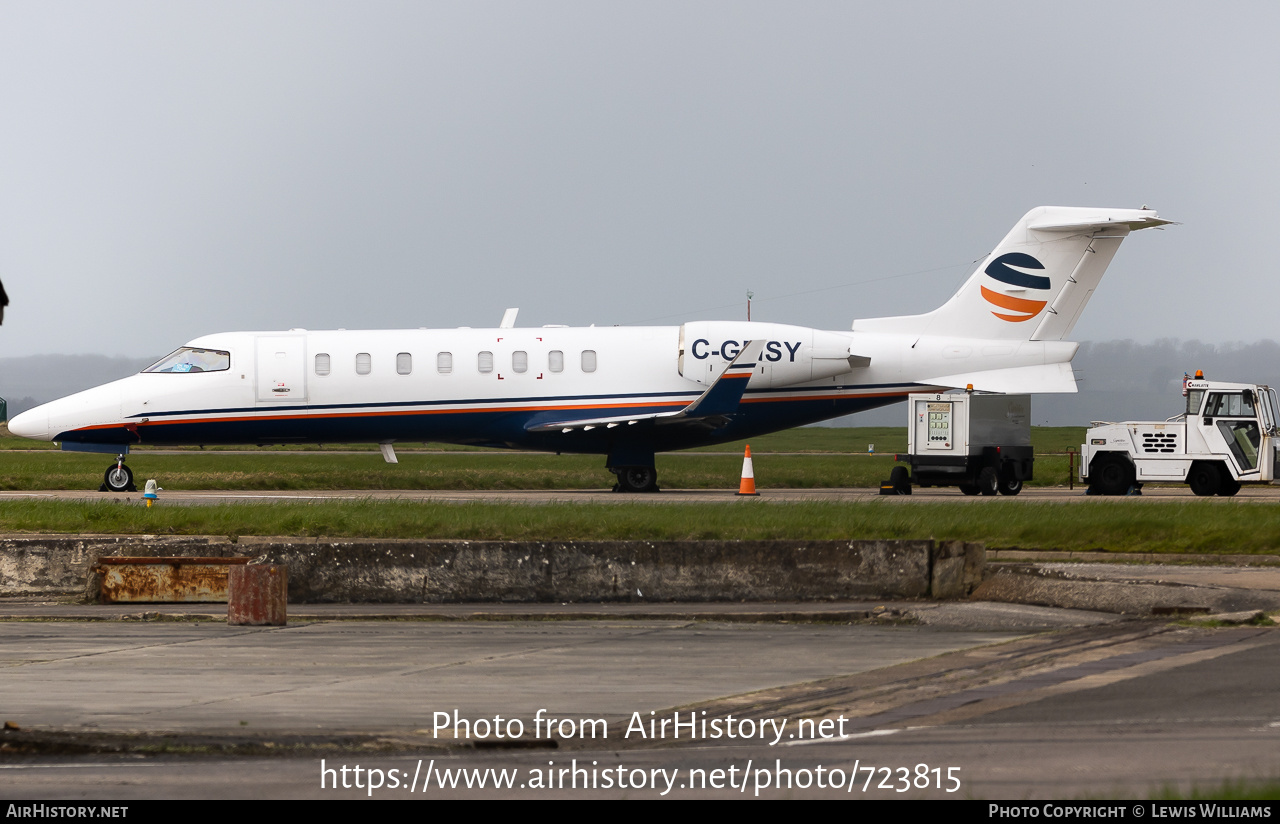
719 400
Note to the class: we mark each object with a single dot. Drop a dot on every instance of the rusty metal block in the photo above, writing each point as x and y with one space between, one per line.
258 595
164 580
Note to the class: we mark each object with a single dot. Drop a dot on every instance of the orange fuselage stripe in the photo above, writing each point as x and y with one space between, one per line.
401 412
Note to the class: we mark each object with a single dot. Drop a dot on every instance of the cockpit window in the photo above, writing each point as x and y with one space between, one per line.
1230 405
188 359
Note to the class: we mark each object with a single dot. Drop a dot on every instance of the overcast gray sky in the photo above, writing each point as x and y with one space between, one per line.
168 170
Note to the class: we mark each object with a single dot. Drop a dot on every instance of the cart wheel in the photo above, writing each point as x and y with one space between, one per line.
900 480
1204 478
1109 474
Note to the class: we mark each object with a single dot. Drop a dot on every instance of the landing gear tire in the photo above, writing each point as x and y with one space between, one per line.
988 481
900 479
637 479
1110 475
1204 479
969 488
1010 485
118 478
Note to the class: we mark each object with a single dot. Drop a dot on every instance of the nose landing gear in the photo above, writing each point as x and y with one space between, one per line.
118 478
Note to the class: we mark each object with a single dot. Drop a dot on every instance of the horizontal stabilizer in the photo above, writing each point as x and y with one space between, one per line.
1049 377
1129 218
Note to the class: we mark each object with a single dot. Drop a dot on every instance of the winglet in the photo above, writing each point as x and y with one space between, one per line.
721 397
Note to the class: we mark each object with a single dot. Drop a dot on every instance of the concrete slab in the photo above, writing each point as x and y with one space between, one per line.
1262 577
994 616
352 570
385 677
46 609
1134 589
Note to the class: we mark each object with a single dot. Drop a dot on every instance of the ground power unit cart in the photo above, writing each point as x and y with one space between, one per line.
980 443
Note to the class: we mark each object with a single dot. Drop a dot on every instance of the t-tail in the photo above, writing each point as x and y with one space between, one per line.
1037 281
1005 330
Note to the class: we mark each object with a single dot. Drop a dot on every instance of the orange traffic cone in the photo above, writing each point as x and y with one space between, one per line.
748 484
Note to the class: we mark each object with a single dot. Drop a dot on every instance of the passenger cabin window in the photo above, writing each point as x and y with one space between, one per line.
485 362
519 361
322 364
444 362
364 364
404 363
555 360
588 360
189 359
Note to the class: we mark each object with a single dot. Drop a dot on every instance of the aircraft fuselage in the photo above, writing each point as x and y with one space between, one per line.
483 386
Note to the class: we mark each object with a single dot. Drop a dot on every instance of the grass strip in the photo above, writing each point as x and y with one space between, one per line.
1117 526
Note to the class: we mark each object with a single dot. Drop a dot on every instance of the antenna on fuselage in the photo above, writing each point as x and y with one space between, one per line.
509 319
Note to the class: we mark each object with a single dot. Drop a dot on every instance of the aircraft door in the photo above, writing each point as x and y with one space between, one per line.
281 373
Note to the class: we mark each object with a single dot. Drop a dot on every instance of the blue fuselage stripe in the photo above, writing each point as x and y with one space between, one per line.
495 427
480 403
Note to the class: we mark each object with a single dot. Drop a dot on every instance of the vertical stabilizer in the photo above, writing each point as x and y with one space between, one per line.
1037 281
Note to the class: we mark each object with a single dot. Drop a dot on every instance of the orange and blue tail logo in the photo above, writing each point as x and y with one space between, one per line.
1002 269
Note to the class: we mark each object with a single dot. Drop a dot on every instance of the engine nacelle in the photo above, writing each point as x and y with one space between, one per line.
791 355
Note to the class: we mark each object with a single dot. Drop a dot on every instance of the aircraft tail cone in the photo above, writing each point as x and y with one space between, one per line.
747 486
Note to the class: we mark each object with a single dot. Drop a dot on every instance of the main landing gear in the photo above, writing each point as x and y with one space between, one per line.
635 478
118 478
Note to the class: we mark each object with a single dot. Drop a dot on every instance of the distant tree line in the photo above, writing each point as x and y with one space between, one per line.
21 405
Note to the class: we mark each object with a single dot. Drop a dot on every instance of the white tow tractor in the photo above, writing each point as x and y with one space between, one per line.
1226 437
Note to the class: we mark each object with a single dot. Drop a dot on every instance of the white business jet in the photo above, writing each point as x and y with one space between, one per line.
622 392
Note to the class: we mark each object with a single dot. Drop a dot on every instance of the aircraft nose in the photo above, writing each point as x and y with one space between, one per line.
34 423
